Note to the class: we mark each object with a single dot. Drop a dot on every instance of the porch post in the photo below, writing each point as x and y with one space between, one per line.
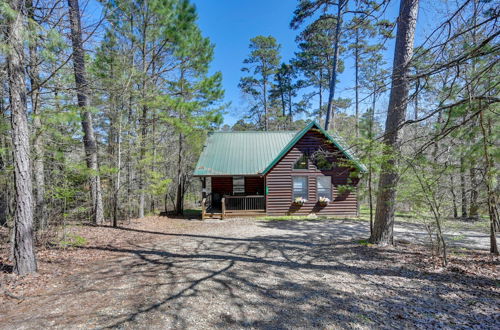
204 187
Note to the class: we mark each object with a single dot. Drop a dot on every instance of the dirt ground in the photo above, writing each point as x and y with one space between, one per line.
175 273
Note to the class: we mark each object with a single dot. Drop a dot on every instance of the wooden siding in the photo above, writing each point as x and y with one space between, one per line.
254 185
223 185
279 182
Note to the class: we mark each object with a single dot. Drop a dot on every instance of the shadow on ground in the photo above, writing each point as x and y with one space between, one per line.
263 275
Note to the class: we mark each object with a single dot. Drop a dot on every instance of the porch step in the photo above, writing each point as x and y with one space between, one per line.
211 215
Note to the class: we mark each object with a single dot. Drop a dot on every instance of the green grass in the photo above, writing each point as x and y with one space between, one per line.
304 218
481 225
73 240
364 242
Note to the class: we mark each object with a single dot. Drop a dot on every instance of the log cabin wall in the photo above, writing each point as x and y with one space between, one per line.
222 185
254 185
279 182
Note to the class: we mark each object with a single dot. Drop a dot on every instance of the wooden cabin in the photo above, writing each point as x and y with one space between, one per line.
251 173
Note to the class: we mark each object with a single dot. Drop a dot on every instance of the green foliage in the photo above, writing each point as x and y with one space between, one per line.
261 65
72 240
158 185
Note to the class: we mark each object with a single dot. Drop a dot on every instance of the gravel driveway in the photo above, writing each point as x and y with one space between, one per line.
279 274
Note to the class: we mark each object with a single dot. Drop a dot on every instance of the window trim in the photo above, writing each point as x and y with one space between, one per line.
317 186
235 178
306 187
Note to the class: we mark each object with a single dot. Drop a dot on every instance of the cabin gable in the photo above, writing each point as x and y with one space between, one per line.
279 179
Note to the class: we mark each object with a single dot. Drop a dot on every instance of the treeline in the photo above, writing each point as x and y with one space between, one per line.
437 91
101 119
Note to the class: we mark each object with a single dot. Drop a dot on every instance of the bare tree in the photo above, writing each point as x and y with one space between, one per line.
82 92
398 101
24 254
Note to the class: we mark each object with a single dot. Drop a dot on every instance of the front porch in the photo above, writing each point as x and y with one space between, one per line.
233 196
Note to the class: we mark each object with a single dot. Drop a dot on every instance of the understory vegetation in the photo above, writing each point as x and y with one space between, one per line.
105 109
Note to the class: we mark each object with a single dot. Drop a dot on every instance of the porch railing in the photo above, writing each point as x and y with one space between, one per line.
244 203
233 205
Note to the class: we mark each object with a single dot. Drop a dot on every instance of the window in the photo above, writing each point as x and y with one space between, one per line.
301 164
324 186
238 185
299 187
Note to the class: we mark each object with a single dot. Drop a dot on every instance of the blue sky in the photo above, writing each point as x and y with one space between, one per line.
230 24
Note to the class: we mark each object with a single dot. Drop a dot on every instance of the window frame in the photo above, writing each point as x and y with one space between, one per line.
306 189
239 193
330 188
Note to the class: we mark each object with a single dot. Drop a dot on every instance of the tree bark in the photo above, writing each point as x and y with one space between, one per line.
356 82
266 116
383 229
320 94
179 205
490 181
82 92
143 123
453 196
4 205
38 165
330 112
474 194
23 247
463 191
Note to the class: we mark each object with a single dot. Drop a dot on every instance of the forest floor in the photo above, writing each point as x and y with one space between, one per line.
180 273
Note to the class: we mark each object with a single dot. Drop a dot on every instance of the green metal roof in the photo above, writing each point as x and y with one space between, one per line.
254 153
240 153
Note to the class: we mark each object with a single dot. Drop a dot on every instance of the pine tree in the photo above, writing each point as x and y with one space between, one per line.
83 94
262 64
307 9
24 251
398 100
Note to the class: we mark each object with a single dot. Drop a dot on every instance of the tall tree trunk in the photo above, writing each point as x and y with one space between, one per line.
330 112
384 215
142 177
490 181
179 205
118 164
23 248
474 194
370 148
38 165
4 205
82 92
463 190
356 83
266 116
143 122
282 95
453 196
320 94
129 155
